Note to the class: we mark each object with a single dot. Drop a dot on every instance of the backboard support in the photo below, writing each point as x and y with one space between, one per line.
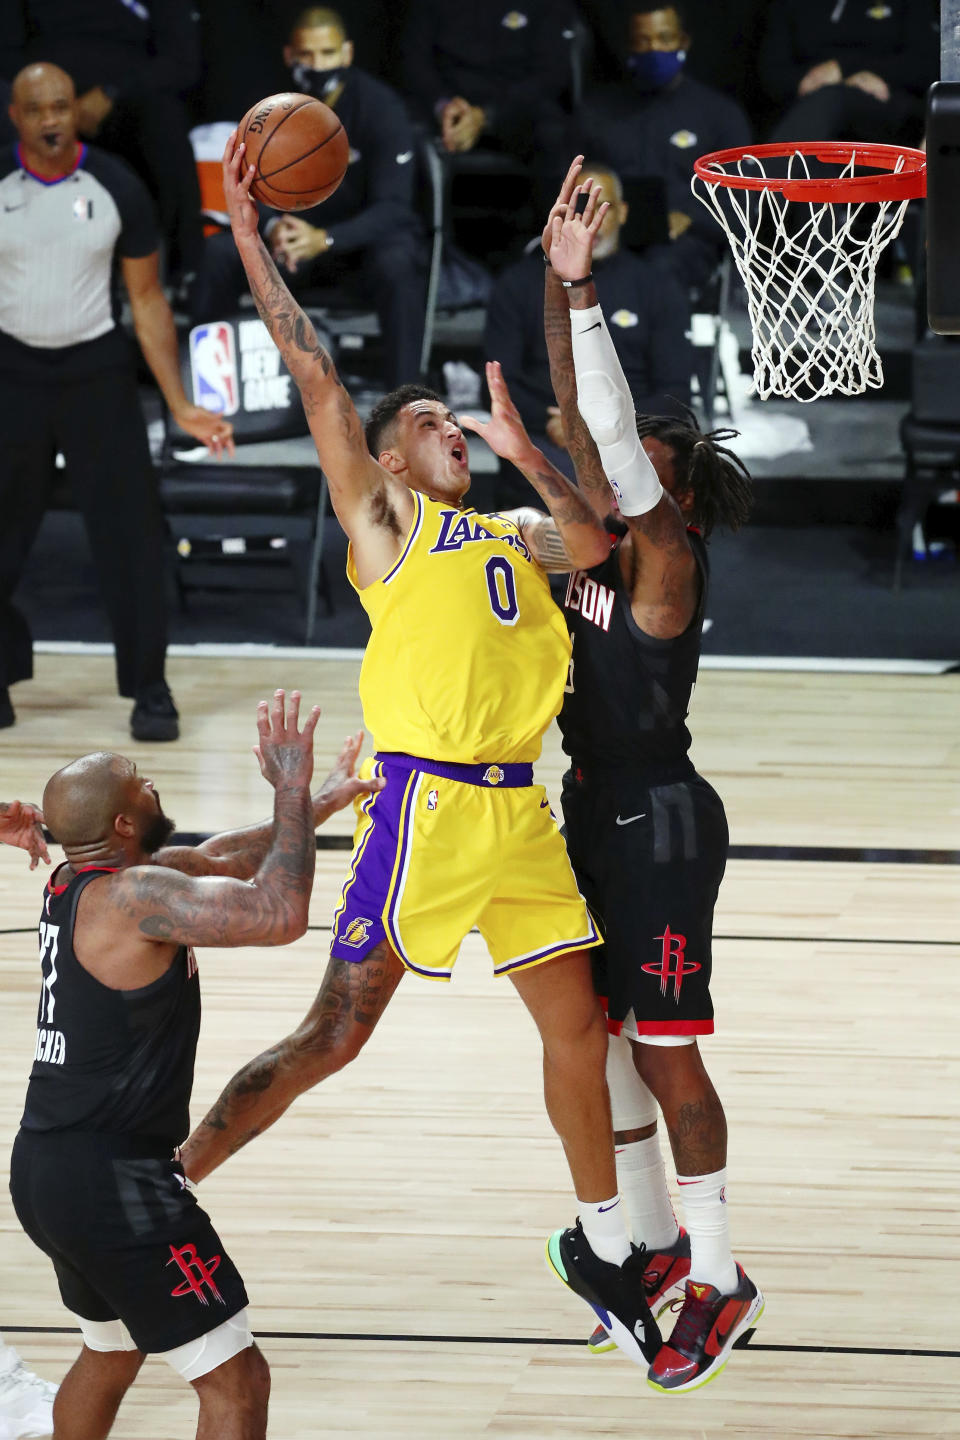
943 180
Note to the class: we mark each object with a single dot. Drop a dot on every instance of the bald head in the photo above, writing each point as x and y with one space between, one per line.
44 111
99 808
81 801
41 79
607 242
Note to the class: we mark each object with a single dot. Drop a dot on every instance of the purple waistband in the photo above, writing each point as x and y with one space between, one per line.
491 775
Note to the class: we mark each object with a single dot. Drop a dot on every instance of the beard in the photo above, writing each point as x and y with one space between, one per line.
157 833
614 525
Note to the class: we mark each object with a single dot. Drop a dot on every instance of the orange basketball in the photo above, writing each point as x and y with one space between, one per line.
299 147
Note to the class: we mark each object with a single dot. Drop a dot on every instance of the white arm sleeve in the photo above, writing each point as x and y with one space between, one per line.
605 402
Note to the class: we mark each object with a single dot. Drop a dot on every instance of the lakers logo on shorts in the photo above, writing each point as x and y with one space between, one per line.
493 775
356 932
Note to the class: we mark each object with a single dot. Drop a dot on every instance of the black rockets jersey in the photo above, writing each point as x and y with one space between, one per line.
627 694
117 1062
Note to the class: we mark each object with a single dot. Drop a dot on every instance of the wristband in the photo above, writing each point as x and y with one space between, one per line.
573 284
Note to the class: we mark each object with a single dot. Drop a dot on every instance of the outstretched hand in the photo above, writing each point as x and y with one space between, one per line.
505 431
22 825
559 206
571 244
285 752
341 786
237 179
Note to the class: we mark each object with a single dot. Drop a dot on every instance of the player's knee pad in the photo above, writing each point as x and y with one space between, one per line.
631 1104
198 1357
105 1335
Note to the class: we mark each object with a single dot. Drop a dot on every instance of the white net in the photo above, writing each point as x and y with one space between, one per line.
809 269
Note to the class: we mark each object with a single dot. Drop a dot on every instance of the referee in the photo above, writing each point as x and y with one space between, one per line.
70 217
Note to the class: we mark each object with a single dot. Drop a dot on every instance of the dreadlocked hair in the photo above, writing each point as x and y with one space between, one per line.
721 483
387 409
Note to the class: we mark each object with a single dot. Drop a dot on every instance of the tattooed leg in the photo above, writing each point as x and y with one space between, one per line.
692 1111
341 1020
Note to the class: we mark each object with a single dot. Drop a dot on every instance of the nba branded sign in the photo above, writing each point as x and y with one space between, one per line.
221 384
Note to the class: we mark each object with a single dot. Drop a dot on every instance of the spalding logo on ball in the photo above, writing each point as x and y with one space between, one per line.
299 147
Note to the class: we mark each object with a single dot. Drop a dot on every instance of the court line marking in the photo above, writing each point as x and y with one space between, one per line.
903 940
826 854
746 1342
822 664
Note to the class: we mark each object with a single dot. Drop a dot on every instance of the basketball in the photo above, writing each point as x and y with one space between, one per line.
299 147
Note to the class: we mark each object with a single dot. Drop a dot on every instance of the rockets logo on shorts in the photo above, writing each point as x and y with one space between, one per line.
673 964
213 368
356 932
196 1274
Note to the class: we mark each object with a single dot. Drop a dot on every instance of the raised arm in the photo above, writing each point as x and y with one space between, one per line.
571 536
240 853
270 909
664 580
556 324
374 510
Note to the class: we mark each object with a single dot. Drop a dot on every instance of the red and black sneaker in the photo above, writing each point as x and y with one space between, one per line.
706 1330
663 1276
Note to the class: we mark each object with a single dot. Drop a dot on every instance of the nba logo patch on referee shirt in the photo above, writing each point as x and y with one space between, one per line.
213 368
82 208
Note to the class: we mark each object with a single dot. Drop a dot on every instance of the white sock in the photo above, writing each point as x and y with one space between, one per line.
643 1184
705 1212
605 1226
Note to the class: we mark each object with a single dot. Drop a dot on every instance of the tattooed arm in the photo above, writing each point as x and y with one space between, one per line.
240 853
571 537
373 509
167 906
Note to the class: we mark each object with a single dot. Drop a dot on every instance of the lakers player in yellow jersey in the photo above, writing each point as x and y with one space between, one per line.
464 670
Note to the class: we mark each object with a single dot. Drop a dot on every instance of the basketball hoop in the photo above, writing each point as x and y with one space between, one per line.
807 223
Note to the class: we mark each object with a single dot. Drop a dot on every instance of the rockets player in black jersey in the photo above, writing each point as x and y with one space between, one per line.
26 1401
93 1181
646 834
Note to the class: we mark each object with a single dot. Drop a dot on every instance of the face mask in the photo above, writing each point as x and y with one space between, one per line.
320 83
653 69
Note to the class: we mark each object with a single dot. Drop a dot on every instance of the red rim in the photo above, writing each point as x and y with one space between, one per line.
909 183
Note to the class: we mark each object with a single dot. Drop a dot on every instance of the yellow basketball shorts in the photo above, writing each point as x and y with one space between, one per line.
443 848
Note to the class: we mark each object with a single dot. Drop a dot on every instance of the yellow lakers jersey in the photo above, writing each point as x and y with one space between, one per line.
469 654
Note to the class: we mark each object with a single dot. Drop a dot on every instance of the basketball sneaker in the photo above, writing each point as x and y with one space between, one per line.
663 1276
706 1330
614 1292
26 1401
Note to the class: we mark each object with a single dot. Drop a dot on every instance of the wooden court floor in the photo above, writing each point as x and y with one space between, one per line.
391 1227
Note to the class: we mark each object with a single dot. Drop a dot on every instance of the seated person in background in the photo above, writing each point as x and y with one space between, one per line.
850 72
656 120
649 315
366 234
488 76
131 63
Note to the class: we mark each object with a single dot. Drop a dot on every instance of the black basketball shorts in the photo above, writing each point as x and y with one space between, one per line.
127 1240
649 853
